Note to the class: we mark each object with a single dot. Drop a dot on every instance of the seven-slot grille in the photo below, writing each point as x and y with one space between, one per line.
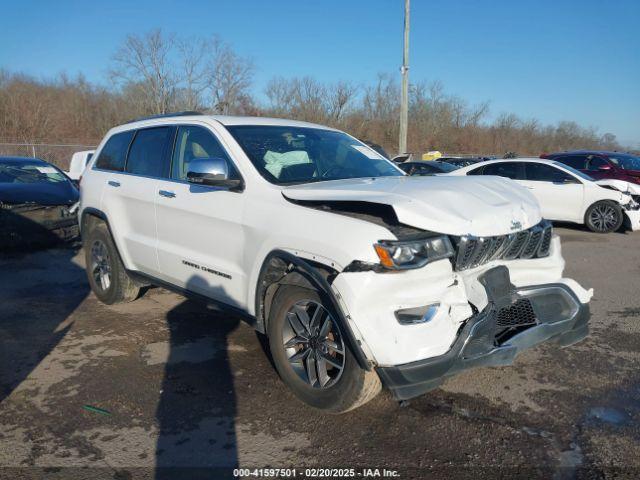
531 243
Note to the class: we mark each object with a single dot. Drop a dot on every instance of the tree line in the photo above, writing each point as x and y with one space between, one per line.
156 73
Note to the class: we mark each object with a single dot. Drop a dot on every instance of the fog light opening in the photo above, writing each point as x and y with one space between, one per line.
417 315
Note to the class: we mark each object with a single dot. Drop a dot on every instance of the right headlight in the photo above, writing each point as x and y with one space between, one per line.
406 254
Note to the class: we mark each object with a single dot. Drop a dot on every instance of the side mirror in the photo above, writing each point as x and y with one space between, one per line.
604 168
211 171
569 180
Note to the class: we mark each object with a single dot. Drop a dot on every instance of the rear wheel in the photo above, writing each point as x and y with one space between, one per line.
106 273
312 355
604 217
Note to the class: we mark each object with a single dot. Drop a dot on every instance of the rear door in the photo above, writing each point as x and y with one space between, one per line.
147 162
560 194
135 161
512 170
201 237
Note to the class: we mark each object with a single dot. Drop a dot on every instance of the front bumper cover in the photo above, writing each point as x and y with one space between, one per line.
28 225
633 219
476 345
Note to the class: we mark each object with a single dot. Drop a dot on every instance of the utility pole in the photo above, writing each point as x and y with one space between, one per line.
404 101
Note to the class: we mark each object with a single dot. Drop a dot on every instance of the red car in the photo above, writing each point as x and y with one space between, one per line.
601 165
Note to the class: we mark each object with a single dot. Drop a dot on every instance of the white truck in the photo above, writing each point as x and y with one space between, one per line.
79 161
359 275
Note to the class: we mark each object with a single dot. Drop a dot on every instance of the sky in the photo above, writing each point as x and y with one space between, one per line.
551 60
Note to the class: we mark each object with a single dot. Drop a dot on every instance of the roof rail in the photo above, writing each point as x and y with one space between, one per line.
166 115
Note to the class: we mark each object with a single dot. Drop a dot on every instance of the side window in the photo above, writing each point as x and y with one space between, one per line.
196 143
114 153
512 170
539 172
147 153
579 162
406 168
594 163
416 169
425 170
476 171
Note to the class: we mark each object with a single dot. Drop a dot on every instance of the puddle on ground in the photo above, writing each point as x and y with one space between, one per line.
608 415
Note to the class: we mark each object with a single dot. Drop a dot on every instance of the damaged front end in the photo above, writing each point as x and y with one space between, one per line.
470 274
632 213
513 320
481 305
631 209
30 225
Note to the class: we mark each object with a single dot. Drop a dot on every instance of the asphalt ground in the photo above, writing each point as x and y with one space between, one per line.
165 387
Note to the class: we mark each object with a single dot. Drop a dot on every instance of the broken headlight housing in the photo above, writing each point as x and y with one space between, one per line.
415 253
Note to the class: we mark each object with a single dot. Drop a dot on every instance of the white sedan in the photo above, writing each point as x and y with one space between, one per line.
565 194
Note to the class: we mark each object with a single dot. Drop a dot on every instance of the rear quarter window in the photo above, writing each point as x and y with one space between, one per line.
114 153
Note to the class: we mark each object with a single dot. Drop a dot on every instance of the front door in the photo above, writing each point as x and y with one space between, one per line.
560 195
200 233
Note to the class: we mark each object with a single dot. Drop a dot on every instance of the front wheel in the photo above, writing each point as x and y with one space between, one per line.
604 217
312 355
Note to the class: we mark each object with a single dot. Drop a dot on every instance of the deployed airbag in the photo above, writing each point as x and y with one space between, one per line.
275 162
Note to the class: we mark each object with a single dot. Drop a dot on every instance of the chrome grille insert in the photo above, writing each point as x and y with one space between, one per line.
475 251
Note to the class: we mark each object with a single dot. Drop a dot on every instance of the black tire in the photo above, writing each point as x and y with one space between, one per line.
352 388
120 288
604 217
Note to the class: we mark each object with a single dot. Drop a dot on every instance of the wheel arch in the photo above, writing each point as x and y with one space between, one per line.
89 217
284 268
610 201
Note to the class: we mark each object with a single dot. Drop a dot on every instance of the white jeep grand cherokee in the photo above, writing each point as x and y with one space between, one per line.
359 275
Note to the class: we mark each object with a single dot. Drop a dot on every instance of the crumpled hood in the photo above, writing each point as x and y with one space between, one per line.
620 185
477 205
41 193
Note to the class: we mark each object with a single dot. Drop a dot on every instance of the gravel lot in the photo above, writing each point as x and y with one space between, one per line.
189 393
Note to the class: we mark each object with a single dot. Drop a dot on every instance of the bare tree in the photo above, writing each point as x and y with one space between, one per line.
193 60
280 95
144 64
229 78
72 110
340 96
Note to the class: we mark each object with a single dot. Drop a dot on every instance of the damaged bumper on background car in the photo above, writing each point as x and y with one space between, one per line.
632 214
30 224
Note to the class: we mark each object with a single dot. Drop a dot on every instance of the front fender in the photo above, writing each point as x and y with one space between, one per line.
321 284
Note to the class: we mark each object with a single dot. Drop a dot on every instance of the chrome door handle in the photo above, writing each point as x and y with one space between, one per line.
166 193
113 183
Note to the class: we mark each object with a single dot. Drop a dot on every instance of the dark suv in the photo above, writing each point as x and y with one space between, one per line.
601 165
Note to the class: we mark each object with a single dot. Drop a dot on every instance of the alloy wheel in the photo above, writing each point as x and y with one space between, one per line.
100 265
313 344
603 217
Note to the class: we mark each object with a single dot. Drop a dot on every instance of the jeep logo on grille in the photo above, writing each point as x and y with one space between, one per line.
515 225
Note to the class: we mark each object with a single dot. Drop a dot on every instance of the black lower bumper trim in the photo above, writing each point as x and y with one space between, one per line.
413 379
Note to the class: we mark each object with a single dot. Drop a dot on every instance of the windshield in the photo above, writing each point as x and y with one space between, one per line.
626 162
29 172
577 173
289 155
